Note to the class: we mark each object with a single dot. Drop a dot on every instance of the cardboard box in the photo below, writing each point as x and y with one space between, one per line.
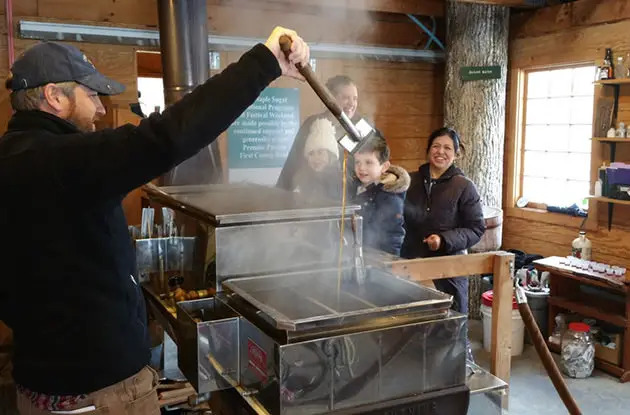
606 354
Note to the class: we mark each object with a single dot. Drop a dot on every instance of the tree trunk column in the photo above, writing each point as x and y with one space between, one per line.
477 35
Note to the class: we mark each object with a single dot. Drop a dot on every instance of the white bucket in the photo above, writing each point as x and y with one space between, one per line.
518 330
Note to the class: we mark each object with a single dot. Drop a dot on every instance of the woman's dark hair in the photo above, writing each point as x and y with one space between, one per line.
457 145
336 81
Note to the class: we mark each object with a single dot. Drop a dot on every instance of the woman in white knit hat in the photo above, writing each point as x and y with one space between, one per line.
320 175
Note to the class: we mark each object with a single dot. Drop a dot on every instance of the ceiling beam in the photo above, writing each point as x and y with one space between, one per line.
419 7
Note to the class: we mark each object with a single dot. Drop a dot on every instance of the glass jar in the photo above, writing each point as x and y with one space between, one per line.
578 351
620 68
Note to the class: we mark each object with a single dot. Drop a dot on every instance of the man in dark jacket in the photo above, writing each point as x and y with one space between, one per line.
68 289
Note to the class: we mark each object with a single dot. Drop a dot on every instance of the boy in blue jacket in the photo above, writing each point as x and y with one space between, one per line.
381 193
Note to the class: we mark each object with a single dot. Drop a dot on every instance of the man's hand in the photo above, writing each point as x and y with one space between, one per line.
299 51
433 241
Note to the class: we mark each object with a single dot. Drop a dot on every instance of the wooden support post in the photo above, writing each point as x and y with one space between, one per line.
625 358
501 264
502 316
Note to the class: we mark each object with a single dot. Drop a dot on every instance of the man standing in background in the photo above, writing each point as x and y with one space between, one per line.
345 92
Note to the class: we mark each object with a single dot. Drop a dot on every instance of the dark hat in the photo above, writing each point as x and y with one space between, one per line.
50 62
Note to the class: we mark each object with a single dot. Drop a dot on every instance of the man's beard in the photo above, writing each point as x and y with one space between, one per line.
82 124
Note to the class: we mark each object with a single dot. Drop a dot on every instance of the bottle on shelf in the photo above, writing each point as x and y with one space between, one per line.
620 132
606 70
581 247
598 188
620 68
602 176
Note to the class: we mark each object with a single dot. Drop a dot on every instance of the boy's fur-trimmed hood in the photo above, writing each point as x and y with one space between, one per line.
395 180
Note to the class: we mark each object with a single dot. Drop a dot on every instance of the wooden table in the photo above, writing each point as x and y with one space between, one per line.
565 294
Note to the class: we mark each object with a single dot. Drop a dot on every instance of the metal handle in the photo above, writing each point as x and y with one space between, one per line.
322 92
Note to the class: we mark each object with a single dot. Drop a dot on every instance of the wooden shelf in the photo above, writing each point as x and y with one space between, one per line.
612 139
611 204
609 200
609 316
582 276
621 81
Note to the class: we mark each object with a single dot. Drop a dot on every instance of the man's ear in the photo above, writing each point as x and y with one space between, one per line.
54 97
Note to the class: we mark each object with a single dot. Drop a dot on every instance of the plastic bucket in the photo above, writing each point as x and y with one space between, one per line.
518 327
537 301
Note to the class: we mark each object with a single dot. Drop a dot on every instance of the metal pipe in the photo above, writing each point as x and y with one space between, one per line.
185 61
198 31
198 17
176 50
8 8
423 27
149 38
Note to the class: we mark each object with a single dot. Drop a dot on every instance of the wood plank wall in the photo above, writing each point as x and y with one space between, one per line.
572 33
404 99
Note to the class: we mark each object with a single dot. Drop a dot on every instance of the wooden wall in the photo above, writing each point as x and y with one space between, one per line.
404 99
572 33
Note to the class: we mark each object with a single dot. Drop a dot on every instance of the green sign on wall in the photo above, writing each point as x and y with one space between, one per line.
262 136
475 73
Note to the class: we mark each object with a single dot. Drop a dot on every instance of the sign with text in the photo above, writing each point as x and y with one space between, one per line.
260 139
475 73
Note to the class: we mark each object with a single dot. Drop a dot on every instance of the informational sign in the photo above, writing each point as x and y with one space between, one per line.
260 139
475 73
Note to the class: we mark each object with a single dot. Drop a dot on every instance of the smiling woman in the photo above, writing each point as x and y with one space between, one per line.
443 213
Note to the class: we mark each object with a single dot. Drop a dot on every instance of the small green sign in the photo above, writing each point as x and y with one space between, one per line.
475 73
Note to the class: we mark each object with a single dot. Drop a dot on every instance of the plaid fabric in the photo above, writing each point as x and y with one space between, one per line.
51 402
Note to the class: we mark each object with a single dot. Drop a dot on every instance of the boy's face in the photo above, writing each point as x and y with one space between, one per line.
368 168
318 159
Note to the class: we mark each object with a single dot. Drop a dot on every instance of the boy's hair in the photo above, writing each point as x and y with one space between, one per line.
376 144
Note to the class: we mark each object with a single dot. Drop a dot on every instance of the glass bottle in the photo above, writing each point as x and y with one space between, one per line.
620 68
581 247
606 70
558 330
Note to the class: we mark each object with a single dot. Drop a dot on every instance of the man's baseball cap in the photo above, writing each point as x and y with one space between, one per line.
50 62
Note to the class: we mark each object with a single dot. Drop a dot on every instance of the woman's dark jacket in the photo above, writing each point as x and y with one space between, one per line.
448 206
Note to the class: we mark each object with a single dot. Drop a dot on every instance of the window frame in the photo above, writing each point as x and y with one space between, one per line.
522 126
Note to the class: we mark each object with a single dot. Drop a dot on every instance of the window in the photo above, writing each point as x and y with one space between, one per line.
557 135
152 91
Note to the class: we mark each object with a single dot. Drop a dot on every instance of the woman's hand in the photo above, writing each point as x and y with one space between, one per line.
433 241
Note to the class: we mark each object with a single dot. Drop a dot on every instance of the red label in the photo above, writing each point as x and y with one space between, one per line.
257 359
